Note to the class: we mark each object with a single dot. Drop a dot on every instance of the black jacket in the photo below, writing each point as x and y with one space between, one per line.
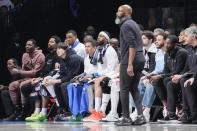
50 61
191 66
175 62
71 66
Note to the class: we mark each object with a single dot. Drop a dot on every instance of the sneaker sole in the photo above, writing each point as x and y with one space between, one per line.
108 120
91 120
129 124
139 124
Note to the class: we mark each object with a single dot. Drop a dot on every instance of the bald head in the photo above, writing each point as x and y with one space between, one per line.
126 9
124 12
114 43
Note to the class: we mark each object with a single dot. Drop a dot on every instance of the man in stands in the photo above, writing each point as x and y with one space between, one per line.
32 63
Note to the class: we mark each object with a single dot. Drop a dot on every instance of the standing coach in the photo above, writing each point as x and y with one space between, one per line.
132 64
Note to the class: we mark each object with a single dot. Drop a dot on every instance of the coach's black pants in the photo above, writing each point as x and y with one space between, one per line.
130 84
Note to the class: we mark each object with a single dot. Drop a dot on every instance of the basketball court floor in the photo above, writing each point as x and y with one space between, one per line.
92 126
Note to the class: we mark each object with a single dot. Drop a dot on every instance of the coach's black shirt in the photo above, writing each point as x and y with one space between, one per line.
130 37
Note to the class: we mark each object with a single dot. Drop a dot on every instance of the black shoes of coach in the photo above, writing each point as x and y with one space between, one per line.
124 121
140 120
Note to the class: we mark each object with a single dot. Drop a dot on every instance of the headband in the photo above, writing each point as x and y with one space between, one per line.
104 34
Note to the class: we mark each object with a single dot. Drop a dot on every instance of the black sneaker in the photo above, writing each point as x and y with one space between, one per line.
194 118
170 116
13 116
23 114
124 122
185 118
194 121
10 118
63 117
140 120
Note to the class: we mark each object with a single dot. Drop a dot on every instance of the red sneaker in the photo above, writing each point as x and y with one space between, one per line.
95 116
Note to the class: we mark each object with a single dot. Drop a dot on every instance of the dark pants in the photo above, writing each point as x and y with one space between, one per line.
184 98
160 88
62 95
173 91
6 103
27 89
130 84
190 97
65 94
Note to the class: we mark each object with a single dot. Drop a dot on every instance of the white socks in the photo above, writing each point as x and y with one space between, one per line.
44 111
37 110
97 103
105 101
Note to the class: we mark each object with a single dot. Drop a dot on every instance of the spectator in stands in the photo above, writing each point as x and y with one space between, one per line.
182 42
6 102
74 43
27 89
32 63
147 90
172 86
188 79
182 38
156 32
175 59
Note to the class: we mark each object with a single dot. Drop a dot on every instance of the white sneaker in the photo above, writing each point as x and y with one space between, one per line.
146 114
134 115
165 111
111 117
